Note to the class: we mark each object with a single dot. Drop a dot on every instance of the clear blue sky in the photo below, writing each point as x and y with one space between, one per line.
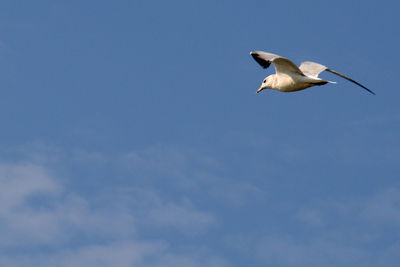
131 135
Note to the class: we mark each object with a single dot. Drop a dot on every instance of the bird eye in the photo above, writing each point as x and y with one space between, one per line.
264 80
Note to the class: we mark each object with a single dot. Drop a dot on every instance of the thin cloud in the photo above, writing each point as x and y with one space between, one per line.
38 211
337 233
285 251
189 172
384 207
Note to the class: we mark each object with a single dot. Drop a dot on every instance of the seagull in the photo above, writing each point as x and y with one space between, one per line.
289 77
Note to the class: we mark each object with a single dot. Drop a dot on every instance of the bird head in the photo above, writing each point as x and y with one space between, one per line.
266 84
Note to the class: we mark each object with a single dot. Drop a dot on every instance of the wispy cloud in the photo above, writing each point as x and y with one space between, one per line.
58 226
286 251
190 172
383 207
19 184
119 253
337 233
164 194
312 217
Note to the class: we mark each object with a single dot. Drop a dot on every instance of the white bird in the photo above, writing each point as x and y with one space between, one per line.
289 77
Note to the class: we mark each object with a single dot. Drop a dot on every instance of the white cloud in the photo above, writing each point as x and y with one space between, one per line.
181 216
136 223
285 251
337 233
158 159
19 181
189 172
312 217
156 212
118 254
35 209
101 229
384 207
20 223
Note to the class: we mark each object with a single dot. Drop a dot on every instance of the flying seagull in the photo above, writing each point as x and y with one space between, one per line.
289 77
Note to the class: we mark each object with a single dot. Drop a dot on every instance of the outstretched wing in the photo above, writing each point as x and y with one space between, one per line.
263 58
313 69
282 65
349 79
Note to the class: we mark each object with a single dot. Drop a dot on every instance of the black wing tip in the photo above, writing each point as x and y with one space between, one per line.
349 79
263 63
371 92
362 86
365 88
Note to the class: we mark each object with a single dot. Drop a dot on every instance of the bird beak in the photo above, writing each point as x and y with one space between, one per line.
260 89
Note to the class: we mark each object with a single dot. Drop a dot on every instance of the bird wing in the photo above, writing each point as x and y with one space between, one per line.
282 65
313 69
349 79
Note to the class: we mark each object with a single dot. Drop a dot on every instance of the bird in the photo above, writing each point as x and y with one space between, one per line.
289 77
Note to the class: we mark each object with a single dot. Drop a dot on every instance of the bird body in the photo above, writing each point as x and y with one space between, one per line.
290 83
289 77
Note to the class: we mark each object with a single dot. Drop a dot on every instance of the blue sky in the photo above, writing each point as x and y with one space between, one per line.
132 135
